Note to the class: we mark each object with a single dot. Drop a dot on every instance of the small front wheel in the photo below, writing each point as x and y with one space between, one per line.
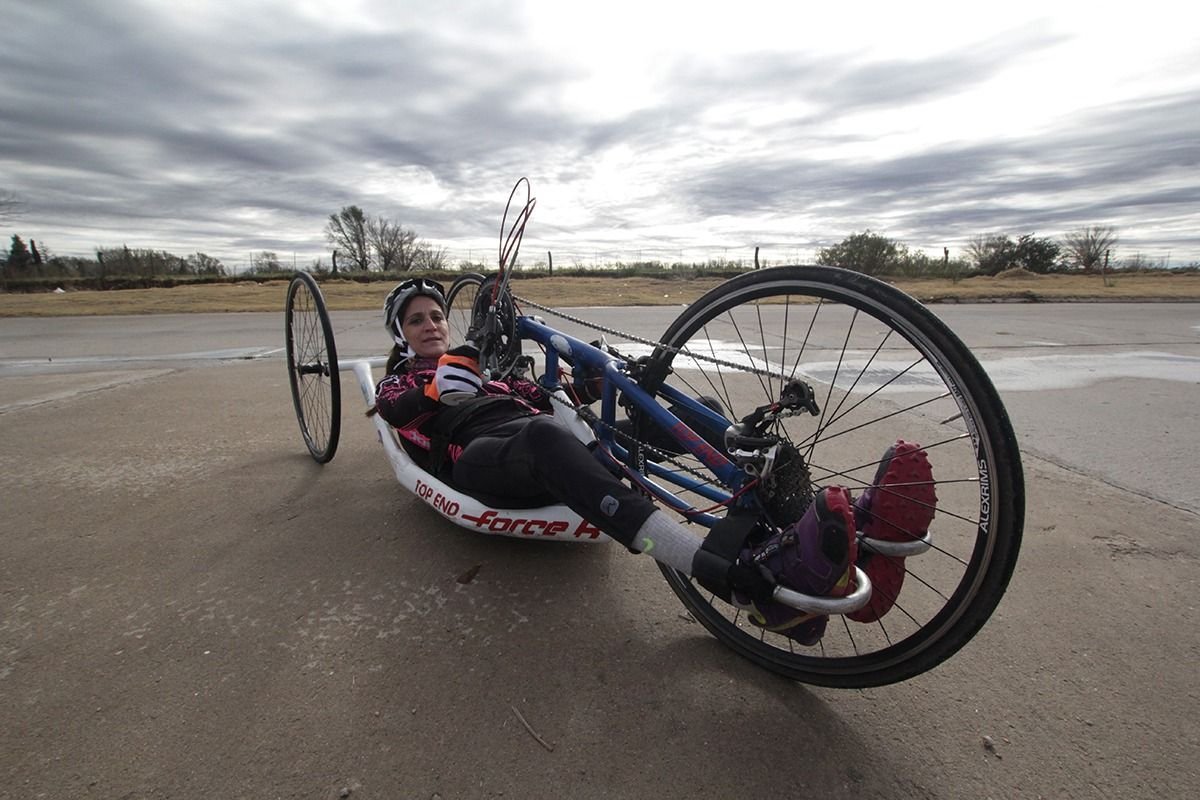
313 367
469 302
460 302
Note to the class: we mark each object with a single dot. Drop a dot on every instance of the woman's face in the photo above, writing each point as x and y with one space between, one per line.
425 328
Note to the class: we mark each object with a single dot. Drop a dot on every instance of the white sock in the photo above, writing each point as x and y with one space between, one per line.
667 542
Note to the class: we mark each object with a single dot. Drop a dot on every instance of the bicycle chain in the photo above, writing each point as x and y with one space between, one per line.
667 348
618 434
640 340
595 419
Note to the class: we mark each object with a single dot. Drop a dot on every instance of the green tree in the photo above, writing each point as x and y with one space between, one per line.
866 252
1086 248
141 262
118 261
67 266
1037 254
991 253
19 258
347 232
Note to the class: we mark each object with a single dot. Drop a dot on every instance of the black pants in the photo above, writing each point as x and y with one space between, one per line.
535 460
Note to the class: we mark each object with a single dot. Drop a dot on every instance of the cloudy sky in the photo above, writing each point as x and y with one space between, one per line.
668 130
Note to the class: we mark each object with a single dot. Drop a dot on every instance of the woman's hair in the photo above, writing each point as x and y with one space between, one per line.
395 359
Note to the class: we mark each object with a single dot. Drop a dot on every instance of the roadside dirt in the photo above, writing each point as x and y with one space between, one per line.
1013 286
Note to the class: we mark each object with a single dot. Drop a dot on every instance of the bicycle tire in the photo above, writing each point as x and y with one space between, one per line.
949 592
460 305
313 367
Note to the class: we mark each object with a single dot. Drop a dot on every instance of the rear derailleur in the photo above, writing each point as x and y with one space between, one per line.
753 446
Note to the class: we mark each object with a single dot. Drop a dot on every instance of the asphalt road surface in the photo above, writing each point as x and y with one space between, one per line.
190 607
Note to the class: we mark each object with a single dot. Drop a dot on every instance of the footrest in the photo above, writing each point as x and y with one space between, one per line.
828 605
903 549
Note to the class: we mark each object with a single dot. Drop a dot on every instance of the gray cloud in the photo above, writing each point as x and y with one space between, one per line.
191 132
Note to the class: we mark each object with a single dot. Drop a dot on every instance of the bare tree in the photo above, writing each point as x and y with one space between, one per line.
392 244
347 232
1086 247
265 261
430 258
204 264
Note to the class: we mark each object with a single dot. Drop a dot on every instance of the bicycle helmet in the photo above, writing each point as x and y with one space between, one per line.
397 299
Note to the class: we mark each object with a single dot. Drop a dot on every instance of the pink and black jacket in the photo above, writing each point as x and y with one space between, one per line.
434 434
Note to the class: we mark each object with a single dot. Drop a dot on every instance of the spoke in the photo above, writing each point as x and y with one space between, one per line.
915 576
813 442
807 335
833 417
312 404
866 465
750 358
762 333
876 391
850 636
900 607
837 370
883 630
723 391
787 308
720 374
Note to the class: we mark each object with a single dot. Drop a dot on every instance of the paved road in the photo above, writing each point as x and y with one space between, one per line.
189 607
1108 390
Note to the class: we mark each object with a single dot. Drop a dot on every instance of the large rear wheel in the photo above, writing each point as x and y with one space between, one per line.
313 367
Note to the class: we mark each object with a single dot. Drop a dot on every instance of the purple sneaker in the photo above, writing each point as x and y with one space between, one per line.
812 556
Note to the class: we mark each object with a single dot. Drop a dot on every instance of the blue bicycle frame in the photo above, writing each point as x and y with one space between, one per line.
588 359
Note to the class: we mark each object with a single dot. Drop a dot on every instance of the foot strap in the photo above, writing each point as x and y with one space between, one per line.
715 565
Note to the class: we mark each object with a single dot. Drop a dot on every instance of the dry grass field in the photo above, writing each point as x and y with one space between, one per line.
1014 285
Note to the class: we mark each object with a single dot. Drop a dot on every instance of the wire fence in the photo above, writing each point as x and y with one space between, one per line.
534 257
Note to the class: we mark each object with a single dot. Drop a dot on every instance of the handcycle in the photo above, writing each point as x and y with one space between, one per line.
816 370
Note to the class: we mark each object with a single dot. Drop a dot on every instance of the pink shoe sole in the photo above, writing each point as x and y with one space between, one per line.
902 506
